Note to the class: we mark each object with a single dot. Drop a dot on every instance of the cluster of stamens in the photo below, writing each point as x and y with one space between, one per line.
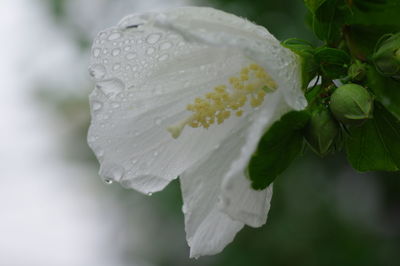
218 105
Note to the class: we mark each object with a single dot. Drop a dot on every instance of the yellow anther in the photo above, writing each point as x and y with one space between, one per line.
244 77
252 83
254 67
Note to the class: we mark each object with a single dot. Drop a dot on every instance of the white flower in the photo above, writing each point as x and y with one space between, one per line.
189 93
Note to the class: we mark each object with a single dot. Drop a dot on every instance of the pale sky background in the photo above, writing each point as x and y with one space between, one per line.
53 212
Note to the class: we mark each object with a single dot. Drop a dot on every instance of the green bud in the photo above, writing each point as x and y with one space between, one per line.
357 71
321 132
351 104
387 56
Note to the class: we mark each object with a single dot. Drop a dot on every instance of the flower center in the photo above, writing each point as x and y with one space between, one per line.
217 106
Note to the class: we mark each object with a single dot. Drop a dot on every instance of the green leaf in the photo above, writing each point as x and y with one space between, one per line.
277 149
313 5
328 19
333 62
375 146
306 53
379 13
386 90
362 39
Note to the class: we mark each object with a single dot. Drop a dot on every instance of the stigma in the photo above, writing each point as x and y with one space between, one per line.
250 86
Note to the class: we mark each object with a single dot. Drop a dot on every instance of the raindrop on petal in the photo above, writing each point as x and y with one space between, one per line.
153 38
108 181
163 57
150 51
116 66
165 46
115 51
111 86
114 36
130 56
96 106
97 71
96 52
158 121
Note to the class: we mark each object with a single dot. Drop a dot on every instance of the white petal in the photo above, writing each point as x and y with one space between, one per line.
133 104
208 230
217 28
212 188
239 200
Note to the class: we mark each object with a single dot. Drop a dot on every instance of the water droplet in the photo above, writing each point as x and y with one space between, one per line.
163 57
112 172
127 48
165 46
149 194
103 35
108 181
116 66
134 161
130 56
150 51
110 87
153 38
96 52
157 121
115 106
155 153
105 51
97 71
184 208
116 51
96 105
114 36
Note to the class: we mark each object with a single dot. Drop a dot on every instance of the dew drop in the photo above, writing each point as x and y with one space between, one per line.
114 36
103 35
127 48
96 105
134 161
163 57
105 51
96 52
116 66
112 172
149 194
111 86
153 38
130 56
150 51
165 46
184 208
155 153
97 71
115 106
116 51
108 181
158 121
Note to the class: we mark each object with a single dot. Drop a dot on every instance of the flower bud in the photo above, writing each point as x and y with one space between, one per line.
351 104
357 71
321 132
387 56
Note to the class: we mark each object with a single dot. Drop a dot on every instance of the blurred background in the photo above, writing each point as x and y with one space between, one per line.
55 210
